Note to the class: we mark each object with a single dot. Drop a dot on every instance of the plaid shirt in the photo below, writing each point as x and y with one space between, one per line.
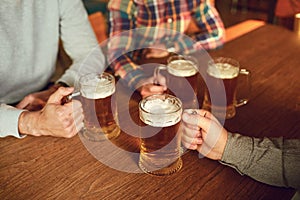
135 25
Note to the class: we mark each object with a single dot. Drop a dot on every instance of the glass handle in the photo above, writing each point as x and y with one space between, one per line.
247 90
156 73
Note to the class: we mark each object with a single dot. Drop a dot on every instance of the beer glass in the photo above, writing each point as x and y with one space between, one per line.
297 24
182 79
99 108
160 149
220 93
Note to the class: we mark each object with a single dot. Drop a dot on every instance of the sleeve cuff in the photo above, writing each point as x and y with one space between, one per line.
237 152
9 119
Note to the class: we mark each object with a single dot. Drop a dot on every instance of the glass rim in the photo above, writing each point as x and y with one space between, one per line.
229 60
141 108
111 78
182 57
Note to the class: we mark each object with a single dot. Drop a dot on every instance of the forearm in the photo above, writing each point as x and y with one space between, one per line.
272 161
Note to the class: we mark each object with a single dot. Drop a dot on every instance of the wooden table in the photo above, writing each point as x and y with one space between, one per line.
55 168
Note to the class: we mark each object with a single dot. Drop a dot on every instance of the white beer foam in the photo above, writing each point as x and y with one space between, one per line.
223 71
182 68
163 113
97 88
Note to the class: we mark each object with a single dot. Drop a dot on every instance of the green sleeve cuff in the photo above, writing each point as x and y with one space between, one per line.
237 152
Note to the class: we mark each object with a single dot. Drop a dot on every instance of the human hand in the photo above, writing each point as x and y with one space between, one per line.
203 132
54 119
156 51
147 86
192 27
35 101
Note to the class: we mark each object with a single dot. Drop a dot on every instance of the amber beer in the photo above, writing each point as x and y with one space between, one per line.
182 79
160 116
100 111
220 96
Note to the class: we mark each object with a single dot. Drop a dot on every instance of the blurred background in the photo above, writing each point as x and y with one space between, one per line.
233 11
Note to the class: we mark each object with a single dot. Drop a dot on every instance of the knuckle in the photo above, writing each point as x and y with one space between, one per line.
68 123
69 132
62 112
29 97
61 89
69 135
59 111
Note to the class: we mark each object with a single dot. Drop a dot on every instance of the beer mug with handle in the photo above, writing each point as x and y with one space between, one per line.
99 108
160 149
182 79
220 95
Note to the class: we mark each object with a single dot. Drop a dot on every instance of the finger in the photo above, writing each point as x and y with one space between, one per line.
191 132
35 107
78 112
189 146
57 96
197 120
202 112
191 136
79 122
23 104
150 89
31 104
191 126
150 55
73 105
158 89
195 142
157 53
78 118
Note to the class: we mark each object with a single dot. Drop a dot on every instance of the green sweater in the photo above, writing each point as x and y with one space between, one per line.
275 161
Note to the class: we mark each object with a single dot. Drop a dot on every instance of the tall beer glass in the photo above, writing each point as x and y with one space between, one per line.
160 117
222 79
99 108
182 79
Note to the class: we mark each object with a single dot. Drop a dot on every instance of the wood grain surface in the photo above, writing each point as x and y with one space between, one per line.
55 168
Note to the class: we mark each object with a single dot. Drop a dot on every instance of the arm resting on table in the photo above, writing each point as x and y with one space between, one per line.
274 161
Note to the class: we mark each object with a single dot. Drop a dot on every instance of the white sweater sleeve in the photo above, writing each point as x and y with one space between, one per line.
79 42
9 116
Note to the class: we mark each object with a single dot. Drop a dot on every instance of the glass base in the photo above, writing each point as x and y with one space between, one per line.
174 167
97 136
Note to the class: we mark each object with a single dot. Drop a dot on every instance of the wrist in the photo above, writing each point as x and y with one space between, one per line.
223 142
27 122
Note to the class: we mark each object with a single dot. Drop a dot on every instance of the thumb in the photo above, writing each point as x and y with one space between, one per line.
57 96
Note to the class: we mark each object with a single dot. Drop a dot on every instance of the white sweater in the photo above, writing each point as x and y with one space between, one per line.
29 37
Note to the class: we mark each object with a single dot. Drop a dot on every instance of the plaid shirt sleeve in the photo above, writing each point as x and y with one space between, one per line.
212 33
121 43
